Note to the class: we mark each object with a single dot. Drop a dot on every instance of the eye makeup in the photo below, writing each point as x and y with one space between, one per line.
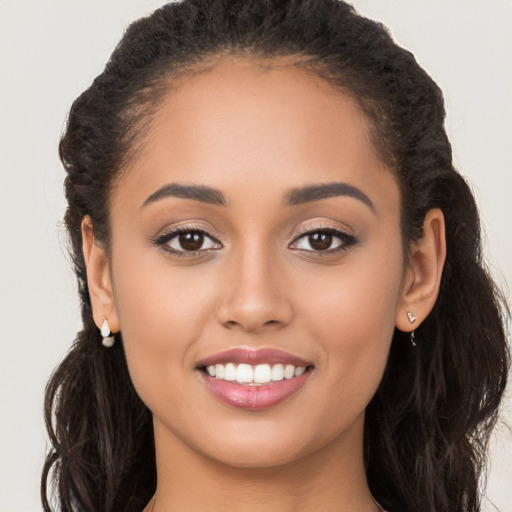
327 240
193 241
187 241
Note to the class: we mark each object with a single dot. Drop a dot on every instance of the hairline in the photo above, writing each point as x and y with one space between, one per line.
173 76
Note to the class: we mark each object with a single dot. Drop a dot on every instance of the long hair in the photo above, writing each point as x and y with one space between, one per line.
428 425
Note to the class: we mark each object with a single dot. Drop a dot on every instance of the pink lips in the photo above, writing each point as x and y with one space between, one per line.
264 355
258 397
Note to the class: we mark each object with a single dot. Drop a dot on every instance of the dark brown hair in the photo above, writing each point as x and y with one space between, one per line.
428 426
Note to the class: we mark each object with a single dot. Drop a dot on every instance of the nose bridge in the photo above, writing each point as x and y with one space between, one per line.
254 298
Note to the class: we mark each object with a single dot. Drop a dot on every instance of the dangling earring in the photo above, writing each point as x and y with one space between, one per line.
412 319
108 340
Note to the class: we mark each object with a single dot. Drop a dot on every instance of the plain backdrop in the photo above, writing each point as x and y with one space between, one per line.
51 50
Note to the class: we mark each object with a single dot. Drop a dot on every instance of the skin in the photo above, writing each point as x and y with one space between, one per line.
255 132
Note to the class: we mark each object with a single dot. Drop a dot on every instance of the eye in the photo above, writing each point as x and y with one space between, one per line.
323 240
185 241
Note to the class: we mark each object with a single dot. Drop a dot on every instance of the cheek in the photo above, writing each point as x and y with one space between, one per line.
162 313
351 315
359 296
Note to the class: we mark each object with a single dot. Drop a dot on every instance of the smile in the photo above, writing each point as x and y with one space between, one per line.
254 375
254 379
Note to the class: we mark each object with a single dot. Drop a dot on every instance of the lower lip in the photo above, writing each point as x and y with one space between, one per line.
261 396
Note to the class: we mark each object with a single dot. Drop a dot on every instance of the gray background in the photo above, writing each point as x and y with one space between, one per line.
51 50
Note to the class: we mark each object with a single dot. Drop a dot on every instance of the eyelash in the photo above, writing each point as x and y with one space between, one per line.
347 240
166 237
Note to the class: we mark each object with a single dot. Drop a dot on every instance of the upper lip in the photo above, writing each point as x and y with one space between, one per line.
254 357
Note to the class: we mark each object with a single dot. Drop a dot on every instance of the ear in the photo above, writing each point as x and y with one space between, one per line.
98 278
423 275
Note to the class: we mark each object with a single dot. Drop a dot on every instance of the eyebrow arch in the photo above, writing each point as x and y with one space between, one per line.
324 191
195 192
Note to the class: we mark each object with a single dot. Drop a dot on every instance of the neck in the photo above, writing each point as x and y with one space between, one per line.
330 479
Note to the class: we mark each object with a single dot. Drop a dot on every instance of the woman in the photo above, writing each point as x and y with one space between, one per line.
283 297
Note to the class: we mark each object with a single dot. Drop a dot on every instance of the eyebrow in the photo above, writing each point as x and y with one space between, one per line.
295 197
325 191
195 192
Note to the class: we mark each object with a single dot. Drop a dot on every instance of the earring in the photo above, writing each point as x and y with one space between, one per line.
412 319
108 340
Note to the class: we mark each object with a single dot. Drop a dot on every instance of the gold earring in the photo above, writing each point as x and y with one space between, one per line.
108 340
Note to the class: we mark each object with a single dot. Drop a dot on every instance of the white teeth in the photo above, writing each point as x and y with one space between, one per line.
277 372
230 372
219 371
289 371
259 374
299 370
244 373
262 373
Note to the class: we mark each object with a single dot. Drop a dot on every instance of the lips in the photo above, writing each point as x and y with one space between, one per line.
254 379
254 357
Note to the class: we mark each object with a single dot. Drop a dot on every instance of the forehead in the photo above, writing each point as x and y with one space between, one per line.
241 119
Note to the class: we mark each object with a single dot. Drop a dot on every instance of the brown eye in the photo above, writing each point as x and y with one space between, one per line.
320 241
328 240
192 241
187 242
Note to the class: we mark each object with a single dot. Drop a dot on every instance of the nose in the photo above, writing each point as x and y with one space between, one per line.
254 297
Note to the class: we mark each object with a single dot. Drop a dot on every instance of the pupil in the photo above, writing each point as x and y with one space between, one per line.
191 241
320 241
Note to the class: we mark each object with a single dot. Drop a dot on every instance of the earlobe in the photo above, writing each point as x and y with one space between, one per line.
423 277
98 278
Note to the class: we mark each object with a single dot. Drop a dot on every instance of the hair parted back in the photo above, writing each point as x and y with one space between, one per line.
428 426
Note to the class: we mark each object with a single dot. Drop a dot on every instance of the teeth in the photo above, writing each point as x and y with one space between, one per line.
244 373
230 372
259 374
289 371
219 371
299 370
262 373
278 372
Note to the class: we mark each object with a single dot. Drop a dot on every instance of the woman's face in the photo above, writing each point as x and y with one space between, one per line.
255 228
